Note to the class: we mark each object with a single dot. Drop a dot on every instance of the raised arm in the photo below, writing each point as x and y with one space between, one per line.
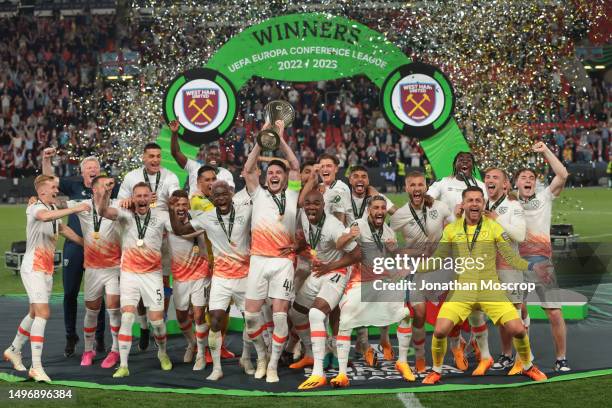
52 215
69 234
310 184
561 174
175 147
250 169
294 163
104 210
47 166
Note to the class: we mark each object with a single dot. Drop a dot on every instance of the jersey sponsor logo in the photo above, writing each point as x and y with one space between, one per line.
336 199
505 236
433 214
502 210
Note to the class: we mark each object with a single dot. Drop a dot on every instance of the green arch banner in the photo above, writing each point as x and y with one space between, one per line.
417 99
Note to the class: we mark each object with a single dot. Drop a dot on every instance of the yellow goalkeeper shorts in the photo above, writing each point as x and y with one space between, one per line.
498 312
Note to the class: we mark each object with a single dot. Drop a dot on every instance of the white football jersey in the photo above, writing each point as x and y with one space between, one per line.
168 183
449 189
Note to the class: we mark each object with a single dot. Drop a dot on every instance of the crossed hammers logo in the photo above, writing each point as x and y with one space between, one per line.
417 105
201 110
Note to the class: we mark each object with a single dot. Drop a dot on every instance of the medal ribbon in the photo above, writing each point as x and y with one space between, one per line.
418 221
359 214
495 204
280 203
468 180
97 221
313 239
142 230
230 227
377 237
470 245
157 177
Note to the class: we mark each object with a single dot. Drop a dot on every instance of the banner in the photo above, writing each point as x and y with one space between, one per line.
417 99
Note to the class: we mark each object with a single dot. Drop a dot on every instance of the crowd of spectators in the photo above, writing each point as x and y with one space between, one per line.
45 63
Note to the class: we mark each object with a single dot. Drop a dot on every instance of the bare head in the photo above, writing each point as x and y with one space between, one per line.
377 210
329 168
495 180
90 169
359 180
151 157
181 207
207 175
141 197
525 180
416 187
47 188
314 206
276 176
473 204
222 194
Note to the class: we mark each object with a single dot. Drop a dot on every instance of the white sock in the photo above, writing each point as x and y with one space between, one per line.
142 321
318 335
404 334
302 327
125 337
255 326
343 344
159 332
186 329
89 328
37 338
201 338
23 333
266 314
418 341
214 343
247 345
478 321
279 337
114 316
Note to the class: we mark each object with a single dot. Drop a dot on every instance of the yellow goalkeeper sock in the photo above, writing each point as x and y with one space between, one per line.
524 350
438 351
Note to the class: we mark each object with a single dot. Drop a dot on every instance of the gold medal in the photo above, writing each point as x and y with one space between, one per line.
153 204
232 243
96 235
280 217
140 243
313 252
195 249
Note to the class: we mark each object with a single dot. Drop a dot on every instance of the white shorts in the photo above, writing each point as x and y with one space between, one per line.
328 287
149 286
270 277
223 290
511 276
356 313
100 281
192 291
38 286
419 295
302 271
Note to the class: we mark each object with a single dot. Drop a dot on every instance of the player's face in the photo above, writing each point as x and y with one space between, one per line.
313 207
205 182
275 178
495 181
222 199
101 185
473 205
359 182
48 192
152 160
305 174
141 196
377 212
182 207
91 170
213 157
526 184
416 187
328 171
464 164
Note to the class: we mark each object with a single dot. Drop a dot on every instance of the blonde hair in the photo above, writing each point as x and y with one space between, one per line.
40 180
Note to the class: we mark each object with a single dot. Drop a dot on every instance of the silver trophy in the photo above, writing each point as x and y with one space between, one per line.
269 139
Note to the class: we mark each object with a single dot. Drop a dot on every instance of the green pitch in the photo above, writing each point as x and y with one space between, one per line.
588 209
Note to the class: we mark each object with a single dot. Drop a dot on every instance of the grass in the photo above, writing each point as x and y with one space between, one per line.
588 209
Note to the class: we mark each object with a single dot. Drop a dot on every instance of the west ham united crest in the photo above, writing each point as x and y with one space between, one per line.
201 106
204 103
418 99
